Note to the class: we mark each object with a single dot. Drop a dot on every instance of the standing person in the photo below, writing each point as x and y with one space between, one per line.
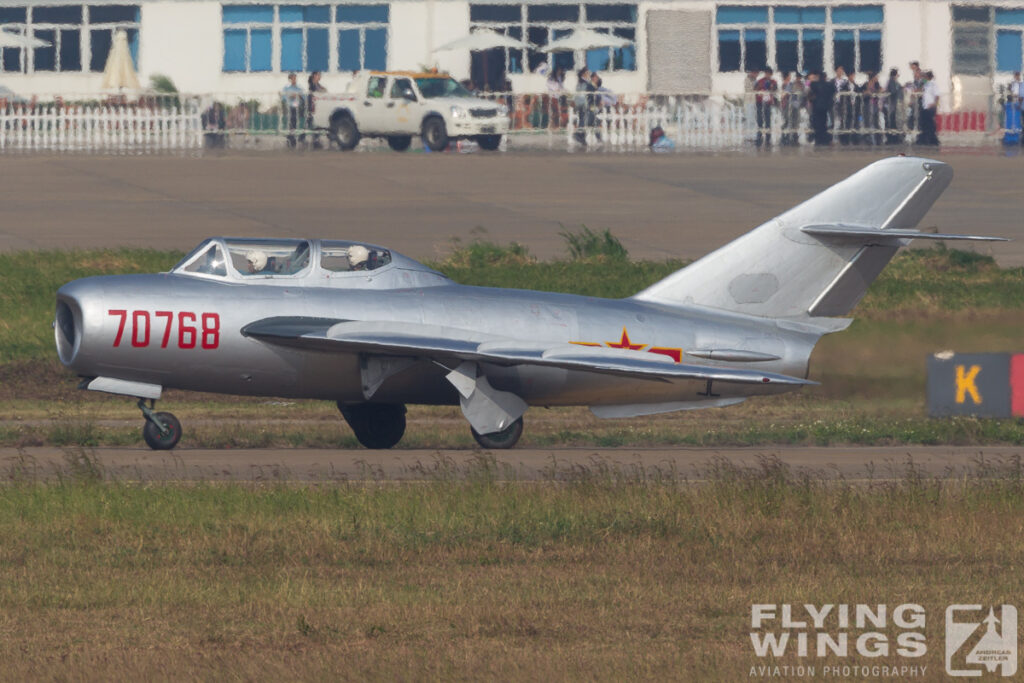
581 100
764 93
314 87
1014 101
291 97
870 93
893 108
842 120
929 107
604 97
914 89
789 82
821 96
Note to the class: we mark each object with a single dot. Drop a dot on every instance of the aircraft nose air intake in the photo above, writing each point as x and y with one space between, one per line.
68 329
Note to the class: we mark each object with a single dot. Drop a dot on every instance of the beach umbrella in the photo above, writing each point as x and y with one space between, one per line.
482 39
8 39
586 39
119 74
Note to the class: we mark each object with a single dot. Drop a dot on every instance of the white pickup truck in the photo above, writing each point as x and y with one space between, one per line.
399 104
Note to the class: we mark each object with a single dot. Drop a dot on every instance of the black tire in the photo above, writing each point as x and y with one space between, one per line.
435 134
376 425
488 142
399 143
345 132
506 438
162 442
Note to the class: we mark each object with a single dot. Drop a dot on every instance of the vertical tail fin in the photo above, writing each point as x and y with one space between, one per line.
779 270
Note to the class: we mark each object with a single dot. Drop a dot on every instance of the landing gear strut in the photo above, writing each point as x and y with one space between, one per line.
376 425
162 431
506 438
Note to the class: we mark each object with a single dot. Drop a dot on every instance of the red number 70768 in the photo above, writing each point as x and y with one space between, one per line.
206 334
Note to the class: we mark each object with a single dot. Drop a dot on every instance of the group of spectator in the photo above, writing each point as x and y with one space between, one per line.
857 110
589 98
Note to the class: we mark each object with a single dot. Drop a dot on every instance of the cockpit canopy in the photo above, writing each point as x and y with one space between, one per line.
317 262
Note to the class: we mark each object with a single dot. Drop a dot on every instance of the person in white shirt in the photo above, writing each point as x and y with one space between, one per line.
929 106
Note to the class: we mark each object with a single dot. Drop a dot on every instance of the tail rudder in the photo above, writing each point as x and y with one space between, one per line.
819 257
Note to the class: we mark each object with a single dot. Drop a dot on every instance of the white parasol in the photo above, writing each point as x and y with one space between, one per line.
119 74
482 39
8 39
586 39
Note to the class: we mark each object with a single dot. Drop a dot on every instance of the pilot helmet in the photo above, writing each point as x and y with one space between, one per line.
256 259
357 255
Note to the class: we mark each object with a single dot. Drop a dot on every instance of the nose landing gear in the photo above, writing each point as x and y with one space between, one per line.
162 431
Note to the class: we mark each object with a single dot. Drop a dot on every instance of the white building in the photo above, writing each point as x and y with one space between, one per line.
680 46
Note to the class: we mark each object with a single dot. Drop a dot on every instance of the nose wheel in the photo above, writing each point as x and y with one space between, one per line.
162 431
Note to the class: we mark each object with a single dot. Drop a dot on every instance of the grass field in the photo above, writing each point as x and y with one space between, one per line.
612 575
603 578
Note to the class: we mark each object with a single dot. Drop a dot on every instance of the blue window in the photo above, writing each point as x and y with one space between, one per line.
744 45
362 14
1008 50
730 54
1009 17
858 14
248 14
741 14
247 43
304 37
376 49
799 15
619 20
363 40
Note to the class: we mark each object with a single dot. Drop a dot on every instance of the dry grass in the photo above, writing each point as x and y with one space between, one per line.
603 578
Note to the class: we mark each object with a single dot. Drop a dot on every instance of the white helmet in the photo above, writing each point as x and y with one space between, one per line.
357 255
257 259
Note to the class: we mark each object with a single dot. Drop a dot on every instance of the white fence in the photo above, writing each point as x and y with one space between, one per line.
693 125
547 120
99 127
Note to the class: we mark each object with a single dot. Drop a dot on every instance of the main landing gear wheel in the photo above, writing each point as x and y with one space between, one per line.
162 431
376 425
506 438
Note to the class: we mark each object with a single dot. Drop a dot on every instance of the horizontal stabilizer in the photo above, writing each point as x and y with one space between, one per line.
448 345
868 234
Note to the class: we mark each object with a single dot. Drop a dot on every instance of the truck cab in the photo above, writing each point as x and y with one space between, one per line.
397 105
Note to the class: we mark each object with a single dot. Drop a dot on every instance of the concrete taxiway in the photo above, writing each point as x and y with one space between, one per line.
664 206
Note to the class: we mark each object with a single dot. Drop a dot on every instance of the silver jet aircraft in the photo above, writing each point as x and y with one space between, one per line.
373 330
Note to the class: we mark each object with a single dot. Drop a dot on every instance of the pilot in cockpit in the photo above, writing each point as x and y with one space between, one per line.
255 261
358 257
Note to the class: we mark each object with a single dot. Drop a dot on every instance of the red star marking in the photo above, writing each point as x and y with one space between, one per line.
624 343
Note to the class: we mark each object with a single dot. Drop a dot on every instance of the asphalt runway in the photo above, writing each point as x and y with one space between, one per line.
680 205
563 464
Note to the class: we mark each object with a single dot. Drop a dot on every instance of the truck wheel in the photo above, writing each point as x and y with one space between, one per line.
399 143
435 135
345 132
488 142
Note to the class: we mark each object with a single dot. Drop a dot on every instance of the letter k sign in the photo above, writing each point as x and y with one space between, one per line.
965 384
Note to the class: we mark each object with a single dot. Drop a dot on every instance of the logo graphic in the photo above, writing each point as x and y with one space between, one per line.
976 643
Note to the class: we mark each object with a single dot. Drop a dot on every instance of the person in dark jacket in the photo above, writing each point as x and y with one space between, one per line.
821 98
